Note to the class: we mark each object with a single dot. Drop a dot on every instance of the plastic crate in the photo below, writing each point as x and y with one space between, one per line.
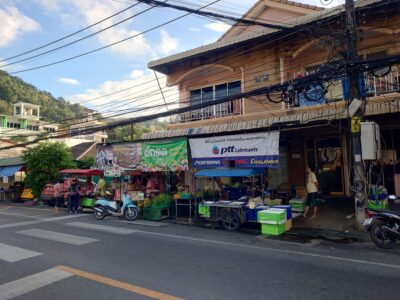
288 209
272 216
251 214
270 229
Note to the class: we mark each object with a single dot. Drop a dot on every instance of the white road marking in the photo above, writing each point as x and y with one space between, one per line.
104 228
30 283
13 254
57 236
142 222
24 216
55 219
291 252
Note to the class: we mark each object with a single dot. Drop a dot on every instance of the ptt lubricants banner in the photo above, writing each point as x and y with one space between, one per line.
257 150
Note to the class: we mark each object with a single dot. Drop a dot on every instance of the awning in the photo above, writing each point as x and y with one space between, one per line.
10 170
234 172
87 172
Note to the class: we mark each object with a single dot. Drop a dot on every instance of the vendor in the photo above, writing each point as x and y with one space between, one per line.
89 187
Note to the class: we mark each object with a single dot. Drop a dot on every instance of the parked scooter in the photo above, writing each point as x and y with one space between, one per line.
105 207
384 227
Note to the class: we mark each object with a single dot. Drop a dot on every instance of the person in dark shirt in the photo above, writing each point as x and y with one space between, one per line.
73 196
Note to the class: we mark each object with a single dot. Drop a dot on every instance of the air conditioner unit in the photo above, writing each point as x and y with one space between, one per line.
370 141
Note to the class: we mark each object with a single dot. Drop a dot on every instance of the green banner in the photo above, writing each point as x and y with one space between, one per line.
171 156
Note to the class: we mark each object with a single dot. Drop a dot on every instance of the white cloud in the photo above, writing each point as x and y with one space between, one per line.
140 90
69 81
13 24
168 43
94 10
195 29
218 26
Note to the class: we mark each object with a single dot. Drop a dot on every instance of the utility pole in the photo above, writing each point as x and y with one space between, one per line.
353 77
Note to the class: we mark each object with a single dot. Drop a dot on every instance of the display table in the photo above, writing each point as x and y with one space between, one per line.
230 213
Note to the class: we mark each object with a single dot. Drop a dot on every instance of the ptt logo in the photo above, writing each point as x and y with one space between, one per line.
215 150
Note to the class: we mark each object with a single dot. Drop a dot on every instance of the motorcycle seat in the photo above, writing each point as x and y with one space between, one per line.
394 212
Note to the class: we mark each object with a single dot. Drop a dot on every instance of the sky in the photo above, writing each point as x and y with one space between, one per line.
28 24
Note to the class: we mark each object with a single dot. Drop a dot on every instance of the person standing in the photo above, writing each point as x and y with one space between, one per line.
312 192
73 196
101 186
58 195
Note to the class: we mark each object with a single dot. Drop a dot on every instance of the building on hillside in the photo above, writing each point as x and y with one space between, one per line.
312 133
25 122
89 120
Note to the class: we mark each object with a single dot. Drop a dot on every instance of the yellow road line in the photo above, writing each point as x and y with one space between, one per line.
118 284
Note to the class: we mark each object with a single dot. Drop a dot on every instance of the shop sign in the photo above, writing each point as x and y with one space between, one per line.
171 156
5 179
328 155
355 124
127 156
257 150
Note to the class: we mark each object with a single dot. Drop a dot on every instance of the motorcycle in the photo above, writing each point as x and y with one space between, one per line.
106 207
384 227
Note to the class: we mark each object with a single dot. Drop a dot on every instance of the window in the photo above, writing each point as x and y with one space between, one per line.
13 125
49 129
32 127
211 93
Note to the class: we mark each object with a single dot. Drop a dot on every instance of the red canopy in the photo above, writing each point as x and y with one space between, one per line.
88 172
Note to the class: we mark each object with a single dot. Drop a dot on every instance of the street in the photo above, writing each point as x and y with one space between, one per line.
44 255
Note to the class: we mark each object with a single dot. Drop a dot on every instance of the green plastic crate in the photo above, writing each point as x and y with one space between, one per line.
297 205
270 229
272 216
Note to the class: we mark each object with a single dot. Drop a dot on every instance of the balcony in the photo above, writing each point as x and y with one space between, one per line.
389 83
221 110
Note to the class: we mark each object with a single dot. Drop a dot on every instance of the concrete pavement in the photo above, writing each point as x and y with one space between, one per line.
81 258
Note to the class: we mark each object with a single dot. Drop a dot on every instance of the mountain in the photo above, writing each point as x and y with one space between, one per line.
14 89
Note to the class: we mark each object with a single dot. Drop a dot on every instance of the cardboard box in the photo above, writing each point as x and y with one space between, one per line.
269 229
301 191
297 204
288 209
288 225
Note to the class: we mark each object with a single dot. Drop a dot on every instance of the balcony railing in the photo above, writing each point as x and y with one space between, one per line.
389 83
221 110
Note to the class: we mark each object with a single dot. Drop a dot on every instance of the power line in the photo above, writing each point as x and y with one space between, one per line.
112 44
69 35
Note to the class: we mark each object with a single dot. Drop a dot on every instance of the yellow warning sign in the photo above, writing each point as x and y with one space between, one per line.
355 124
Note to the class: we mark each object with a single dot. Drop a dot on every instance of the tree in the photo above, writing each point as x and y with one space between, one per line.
43 163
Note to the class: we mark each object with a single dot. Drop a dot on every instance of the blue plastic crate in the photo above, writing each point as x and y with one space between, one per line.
251 214
288 210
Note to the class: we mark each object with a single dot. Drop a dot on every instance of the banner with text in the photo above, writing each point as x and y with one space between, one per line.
171 156
257 150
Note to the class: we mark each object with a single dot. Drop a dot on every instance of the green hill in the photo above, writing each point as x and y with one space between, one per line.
13 89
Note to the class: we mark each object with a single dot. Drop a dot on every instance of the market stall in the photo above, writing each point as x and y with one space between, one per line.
236 204
87 187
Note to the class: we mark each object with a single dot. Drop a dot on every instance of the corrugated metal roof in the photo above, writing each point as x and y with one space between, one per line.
247 37
11 161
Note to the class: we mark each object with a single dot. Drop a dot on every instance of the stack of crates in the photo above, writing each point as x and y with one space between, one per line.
288 222
272 221
298 204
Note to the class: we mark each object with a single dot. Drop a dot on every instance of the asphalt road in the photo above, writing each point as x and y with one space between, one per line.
44 255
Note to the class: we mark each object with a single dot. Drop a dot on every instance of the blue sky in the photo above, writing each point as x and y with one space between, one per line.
27 24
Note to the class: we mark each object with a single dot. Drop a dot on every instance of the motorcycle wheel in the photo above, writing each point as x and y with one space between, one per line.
100 215
380 237
131 214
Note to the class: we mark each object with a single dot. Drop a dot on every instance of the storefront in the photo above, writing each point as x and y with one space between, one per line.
11 175
147 171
